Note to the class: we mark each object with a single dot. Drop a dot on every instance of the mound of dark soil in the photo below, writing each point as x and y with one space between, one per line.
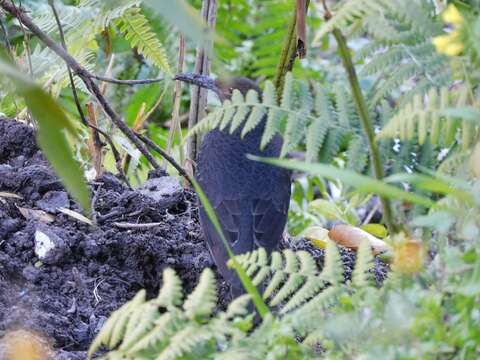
94 269
67 294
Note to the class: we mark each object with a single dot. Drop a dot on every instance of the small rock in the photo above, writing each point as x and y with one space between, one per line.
53 200
166 190
80 332
99 324
71 355
111 182
49 247
91 248
156 173
30 273
8 226
18 161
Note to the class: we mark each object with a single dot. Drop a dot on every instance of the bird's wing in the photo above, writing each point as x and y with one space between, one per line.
247 224
269 219
228 216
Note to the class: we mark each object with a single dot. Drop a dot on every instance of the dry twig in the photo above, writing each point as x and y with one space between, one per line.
198 99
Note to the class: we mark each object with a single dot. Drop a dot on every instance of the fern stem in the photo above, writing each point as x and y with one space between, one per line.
288 54
366 122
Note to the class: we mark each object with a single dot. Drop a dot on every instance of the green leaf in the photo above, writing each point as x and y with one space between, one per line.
138 31
147 94
377 230
326 208
430 184
467 113
184 17
362 183
53 123
439 220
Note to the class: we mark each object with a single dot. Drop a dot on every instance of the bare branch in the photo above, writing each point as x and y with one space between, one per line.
137 226
198 99
126 82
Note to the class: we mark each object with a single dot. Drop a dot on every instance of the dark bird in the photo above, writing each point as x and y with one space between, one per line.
250 198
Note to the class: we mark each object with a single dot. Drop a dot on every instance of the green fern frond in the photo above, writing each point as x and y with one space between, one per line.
140 323
362 276
356 154
272 125
454 163
238 116
386 30
427 118
333 141
114 329
71 16
416 14
140 35
348 12
185 341
345 108
386 59
150 330
81 24
159 329
293 281
318 129
323 123
238 307
203 299
278 276
294 278
171 293
268 30
165 327
256 114
105 13
411 12
401 55
333 269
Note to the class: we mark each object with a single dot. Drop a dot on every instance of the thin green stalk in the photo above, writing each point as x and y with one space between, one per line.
366 123
288 54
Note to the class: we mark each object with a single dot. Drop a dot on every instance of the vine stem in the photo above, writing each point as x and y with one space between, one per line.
289 48
366 123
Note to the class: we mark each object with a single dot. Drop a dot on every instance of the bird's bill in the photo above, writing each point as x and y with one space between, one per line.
199 80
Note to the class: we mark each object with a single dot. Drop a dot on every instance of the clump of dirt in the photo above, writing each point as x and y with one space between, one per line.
68 294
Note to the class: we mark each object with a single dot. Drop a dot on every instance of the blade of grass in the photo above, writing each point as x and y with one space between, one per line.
430 184
361 182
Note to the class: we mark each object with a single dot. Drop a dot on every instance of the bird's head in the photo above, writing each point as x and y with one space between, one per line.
223 87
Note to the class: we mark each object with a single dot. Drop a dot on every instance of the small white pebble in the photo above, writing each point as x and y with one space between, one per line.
43 244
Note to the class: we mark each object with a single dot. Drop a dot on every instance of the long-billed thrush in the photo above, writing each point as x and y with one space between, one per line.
250 198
